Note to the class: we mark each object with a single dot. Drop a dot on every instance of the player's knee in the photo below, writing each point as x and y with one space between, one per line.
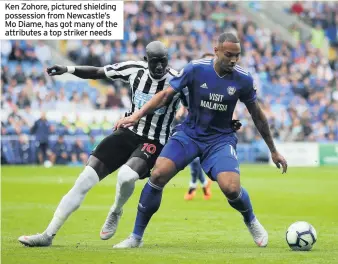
100 168
232 191
86 180
163 171
229 184
126 175
158 177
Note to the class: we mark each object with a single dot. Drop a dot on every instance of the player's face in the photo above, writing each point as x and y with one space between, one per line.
228 55
157 66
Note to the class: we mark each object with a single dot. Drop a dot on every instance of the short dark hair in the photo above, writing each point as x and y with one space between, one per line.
228 37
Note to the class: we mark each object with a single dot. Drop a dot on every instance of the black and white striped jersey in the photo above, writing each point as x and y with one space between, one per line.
156 126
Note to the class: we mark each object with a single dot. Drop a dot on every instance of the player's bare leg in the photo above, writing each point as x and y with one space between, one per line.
150 200
69 203
238 198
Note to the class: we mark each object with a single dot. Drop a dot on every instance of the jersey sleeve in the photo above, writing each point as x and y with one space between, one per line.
248 93
182 79
123 70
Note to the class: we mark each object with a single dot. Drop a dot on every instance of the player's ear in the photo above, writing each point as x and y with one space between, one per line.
145 58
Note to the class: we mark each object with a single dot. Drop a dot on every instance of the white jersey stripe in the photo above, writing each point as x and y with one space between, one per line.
156 126
241 70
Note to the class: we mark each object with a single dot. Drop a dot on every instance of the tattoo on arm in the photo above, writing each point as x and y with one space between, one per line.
261 124
89 72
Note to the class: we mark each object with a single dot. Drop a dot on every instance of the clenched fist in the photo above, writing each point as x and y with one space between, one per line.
236 124
56 70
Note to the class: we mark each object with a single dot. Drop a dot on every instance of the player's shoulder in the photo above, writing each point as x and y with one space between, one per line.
245 78
243 74
201 63
240 71
190 67
129 65
142 64
172 72
196 66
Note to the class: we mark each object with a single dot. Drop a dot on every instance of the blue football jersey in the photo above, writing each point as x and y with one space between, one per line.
212 99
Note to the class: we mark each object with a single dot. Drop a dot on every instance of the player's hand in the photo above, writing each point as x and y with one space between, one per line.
127 121
56 70
236 124
279 160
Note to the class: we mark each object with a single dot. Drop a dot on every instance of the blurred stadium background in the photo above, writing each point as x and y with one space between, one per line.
290 49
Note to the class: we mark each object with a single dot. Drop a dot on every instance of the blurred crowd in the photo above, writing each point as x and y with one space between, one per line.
24 83
323 18
65 142
297 86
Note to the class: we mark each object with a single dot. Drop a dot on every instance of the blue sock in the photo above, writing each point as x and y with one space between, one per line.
201 176
198 170
149 203
243 205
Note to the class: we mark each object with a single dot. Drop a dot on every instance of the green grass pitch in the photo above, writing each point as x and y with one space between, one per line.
182 231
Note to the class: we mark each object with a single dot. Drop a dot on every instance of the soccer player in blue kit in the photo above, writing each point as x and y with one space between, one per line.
214 85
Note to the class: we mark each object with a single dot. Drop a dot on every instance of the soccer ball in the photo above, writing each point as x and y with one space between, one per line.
48 164
301 236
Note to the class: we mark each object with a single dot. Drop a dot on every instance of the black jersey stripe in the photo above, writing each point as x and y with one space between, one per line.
125 67
135 87
116 77
170 120
184 100
161 119
149 118
147 86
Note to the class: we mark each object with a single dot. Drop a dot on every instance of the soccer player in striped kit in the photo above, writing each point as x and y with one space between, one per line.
134 150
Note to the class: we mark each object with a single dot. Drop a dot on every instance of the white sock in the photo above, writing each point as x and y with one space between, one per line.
205 183
125 186
192 185
73 199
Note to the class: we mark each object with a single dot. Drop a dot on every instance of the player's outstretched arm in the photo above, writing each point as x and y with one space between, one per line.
262 126
84 72
157 101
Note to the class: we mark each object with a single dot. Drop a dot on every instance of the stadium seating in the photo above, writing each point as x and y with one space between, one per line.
295 82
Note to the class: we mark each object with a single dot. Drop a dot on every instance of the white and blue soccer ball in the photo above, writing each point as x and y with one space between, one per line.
48 164
301 236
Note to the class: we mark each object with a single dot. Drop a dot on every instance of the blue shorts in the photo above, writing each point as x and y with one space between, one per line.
215 157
